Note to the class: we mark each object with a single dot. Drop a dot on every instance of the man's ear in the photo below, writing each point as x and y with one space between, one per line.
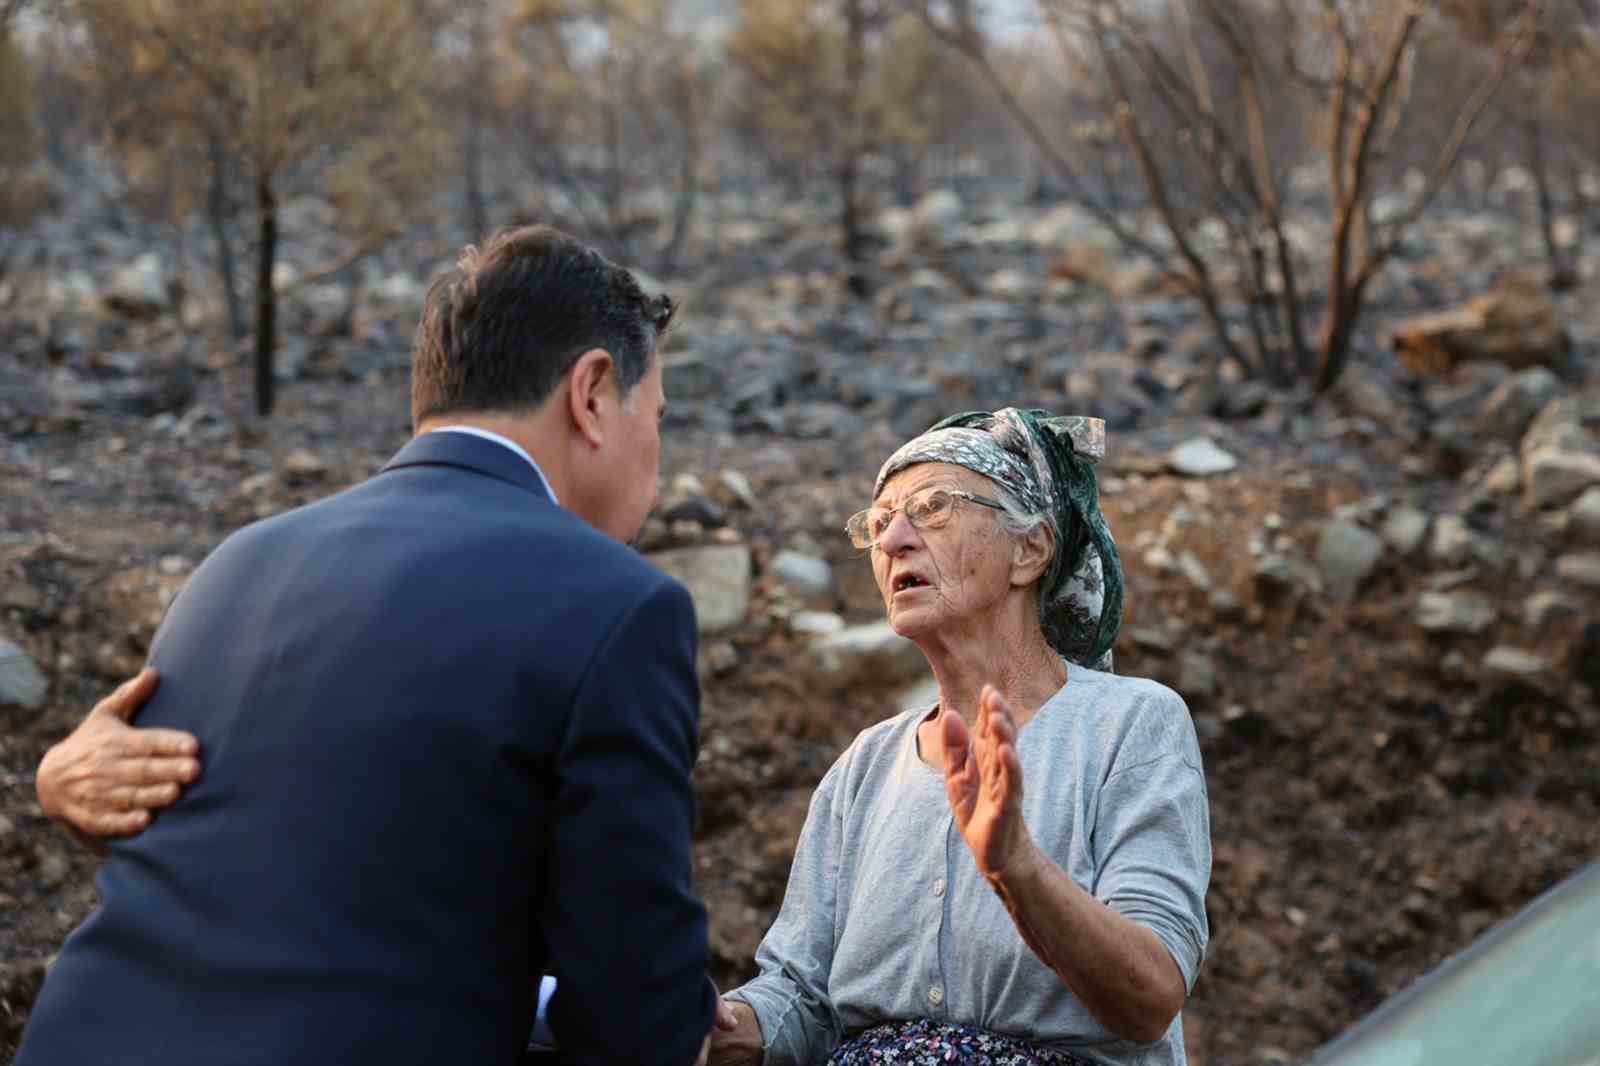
1031 554
591 392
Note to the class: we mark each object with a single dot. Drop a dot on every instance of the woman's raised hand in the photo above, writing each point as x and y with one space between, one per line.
983 778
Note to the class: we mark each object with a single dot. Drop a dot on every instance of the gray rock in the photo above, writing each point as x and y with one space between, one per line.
1514 662
866 652
1503 479
696 508
1546 606
804 573
1563 425
718 657
1582 569
1274 573
1584 518
718 579
688 377
1200 457
1197 676
1455 543
732 487
1555 476
936 218
1226 605
815 623
815 421
302 465
21 683
138 289
1512 406
1454 612
1347 554
1160 560
163 390
324 309
1367 392
1194 571
399 293
1152 639
1405 528
1244 399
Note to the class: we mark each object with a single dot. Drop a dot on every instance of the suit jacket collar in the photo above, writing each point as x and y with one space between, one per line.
469 453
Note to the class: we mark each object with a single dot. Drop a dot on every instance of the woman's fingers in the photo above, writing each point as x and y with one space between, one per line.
961 774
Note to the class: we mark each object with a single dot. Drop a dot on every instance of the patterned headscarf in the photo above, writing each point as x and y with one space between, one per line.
1046 464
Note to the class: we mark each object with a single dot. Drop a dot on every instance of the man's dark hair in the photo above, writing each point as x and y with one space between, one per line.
500 330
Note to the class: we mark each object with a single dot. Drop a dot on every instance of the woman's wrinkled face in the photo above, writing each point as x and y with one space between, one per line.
930 579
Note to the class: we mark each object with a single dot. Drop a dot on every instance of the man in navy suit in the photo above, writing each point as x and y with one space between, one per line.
448 720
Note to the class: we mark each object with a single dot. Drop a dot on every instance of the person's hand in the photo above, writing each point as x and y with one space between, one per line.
106 777
736 1038
983 779
725 1021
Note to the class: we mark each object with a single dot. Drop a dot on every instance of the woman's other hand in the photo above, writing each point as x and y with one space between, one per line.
106 777
736 1040
983 779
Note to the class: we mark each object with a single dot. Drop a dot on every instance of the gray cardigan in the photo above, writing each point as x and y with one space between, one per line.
886 916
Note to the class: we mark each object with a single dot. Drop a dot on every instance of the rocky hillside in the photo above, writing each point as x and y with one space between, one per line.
1380 604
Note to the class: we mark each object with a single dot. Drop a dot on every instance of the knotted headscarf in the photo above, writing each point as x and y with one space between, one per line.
1047 464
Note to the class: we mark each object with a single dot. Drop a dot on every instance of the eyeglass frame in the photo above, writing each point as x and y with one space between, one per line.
959 494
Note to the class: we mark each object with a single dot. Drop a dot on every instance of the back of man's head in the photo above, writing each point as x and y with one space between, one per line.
500 330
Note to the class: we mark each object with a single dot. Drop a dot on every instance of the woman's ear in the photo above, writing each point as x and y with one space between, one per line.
1031 554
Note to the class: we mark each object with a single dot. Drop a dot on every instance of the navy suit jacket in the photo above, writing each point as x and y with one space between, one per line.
447 730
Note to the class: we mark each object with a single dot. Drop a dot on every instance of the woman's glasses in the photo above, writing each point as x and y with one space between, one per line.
925 510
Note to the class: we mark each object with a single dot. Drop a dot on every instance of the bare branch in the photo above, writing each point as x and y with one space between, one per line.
333 266
1509 56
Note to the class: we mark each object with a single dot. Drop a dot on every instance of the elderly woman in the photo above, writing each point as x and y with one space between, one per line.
1016 874
938 910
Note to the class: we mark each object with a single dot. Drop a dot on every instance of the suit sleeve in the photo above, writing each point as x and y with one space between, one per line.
627 935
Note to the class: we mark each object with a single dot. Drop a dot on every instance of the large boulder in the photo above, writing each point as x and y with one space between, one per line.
1515 323
1347 555
1512 406
21 683
1553 477
718 579
1455 612
936 218
1561 450
138 289
1200 457
872 653
806 574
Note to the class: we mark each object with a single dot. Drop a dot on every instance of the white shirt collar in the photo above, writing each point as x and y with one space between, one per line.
474 431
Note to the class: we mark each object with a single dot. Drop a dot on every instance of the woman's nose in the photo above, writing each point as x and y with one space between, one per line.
899 535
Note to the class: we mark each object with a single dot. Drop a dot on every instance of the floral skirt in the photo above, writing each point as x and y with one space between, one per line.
924 1042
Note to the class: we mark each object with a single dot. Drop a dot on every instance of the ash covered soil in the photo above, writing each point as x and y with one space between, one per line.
1382 616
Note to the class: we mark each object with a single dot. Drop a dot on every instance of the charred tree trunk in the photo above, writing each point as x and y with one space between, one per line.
688 173
217 215
1562 275
472 137
266 296
849 168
